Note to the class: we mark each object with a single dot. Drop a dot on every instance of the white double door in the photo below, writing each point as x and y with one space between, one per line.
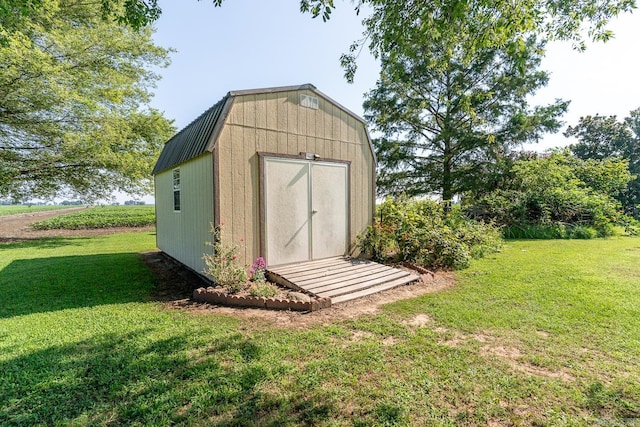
306 209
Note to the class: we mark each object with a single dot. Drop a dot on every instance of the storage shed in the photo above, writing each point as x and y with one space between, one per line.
289 172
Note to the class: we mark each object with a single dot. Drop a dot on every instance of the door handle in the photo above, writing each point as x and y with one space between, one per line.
314 211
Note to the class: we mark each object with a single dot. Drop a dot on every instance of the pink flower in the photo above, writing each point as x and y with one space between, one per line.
259 263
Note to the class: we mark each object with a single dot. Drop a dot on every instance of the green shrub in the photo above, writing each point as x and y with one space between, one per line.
420 231
223 265
631 226
263 289
547 198
582 232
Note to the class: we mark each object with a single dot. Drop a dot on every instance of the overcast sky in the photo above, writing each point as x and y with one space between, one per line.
247 44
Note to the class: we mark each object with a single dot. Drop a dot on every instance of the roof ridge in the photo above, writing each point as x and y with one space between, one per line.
273 89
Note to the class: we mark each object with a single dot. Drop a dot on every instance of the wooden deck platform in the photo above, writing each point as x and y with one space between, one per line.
340 279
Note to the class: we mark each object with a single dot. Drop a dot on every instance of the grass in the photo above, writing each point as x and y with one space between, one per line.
544 333
101 217
18 209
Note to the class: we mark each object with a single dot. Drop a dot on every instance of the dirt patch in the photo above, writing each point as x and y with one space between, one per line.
389 341
493 348
17 228
419 320
529 369
513 357
501 351
175 281
454 341
358 336
482 337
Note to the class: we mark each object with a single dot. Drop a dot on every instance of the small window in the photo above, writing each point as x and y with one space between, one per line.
176 190
309 101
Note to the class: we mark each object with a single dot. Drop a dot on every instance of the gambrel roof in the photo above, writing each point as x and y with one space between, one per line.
199 136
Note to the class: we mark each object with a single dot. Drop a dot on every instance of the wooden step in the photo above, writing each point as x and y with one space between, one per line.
304 266
339 275
352 285
372 290
341 279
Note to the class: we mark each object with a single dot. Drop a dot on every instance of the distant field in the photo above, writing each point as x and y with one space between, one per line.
101 217
18 209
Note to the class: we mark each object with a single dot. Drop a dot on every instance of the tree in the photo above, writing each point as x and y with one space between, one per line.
74 119
447 108
603 137
134 13
557 196
559 19
546 19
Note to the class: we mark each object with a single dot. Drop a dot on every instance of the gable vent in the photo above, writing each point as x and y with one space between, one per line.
308 101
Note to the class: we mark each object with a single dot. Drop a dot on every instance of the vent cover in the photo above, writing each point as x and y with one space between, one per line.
308 101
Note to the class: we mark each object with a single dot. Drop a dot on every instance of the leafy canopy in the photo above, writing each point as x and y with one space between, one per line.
601 137
558 19
74 115
134 13
448 109
548 19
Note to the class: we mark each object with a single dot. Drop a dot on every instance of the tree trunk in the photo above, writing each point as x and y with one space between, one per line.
447 181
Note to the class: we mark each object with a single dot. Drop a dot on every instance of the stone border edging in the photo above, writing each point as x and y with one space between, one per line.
418 268
210 295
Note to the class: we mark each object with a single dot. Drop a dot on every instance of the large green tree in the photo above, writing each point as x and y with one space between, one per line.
559 19
74 93
447 108
604 137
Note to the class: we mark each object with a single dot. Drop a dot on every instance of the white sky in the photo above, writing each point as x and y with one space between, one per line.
603 80
247 44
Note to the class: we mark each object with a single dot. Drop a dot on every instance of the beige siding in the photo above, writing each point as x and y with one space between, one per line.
283 126
183 234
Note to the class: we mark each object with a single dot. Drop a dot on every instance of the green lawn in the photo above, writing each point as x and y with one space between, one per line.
18 209
544 333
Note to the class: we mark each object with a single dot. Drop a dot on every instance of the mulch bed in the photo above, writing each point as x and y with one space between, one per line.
178 284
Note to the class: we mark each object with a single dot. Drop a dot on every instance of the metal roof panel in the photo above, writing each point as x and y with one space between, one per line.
191 141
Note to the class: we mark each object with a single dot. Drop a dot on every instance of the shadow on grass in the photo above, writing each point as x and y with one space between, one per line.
126 379
49 284
40 242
